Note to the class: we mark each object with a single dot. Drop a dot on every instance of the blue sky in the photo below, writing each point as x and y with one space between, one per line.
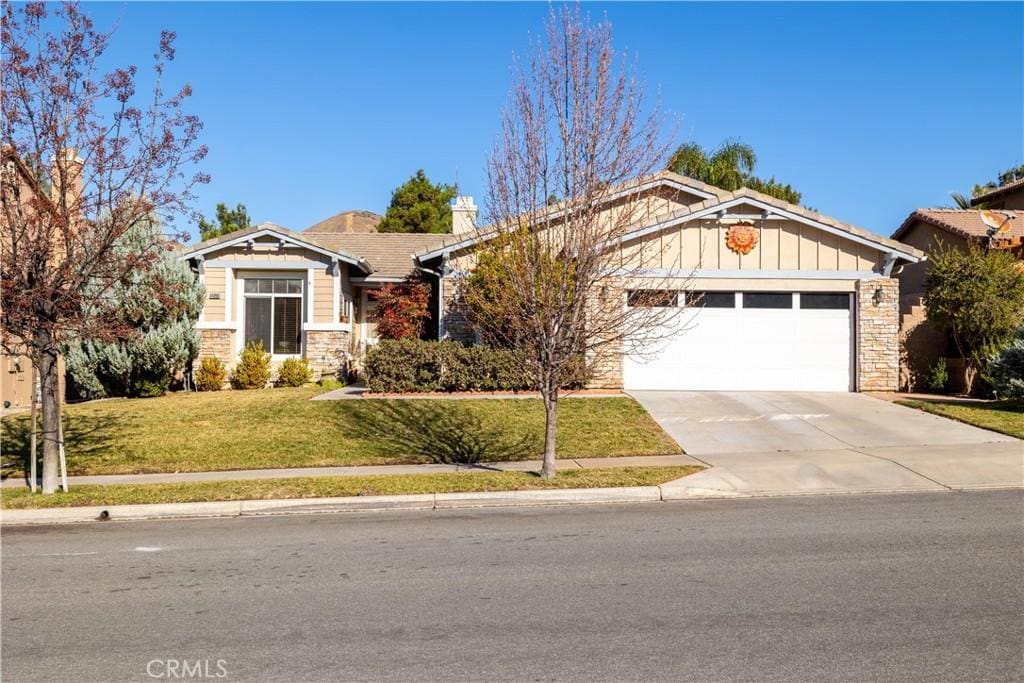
870 109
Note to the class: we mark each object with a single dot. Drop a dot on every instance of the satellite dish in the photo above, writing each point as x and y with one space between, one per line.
998 222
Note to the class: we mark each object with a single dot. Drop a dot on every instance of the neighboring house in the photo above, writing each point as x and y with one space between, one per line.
812 306
16 374
1008 196
926 229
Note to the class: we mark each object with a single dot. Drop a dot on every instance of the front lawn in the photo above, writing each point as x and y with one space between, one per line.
329 487
999 416
277 428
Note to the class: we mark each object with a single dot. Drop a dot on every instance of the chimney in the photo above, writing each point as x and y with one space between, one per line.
463 215
67 169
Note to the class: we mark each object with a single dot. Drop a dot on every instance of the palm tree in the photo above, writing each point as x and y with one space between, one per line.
726 167
729 167
963 202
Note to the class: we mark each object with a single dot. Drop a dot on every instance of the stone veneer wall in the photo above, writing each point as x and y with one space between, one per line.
606 362
329 352
878 334
217 343
457 326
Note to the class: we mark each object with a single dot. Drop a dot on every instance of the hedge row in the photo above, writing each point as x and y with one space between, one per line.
414 365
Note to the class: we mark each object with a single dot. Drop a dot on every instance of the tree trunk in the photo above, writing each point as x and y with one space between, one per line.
50 389
547 471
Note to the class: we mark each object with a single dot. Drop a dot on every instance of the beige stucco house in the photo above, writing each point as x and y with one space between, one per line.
811 305
928 230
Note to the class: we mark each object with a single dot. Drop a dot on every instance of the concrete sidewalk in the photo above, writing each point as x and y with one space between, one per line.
364 470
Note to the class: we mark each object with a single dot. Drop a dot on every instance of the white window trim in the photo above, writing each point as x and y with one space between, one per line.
255 295
326 327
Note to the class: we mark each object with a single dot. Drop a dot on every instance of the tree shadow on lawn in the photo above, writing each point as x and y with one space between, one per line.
84 437
445 433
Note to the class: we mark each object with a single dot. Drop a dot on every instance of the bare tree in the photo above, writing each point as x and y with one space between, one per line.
85 161
551 282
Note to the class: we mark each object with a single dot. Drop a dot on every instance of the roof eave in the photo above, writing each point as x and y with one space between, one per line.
241 236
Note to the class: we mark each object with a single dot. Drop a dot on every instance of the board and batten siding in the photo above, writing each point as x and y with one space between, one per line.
323 296
213 309
781 245
268 251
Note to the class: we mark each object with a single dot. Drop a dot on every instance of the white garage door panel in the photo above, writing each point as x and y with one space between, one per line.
748 350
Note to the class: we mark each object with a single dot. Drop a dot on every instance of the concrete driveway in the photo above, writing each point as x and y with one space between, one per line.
796 442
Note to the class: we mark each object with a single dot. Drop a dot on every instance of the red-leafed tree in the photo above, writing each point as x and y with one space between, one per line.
402 310
86 159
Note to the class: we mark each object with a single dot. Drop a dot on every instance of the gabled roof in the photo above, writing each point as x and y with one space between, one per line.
310 242
715 201
963 222
1014 186
776 208
392 254
666 179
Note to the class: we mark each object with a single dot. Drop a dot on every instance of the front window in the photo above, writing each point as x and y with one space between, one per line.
652 298
273 314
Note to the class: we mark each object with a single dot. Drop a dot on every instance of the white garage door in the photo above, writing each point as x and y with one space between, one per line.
748 341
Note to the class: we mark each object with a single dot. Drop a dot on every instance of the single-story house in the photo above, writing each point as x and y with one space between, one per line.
927 230
803 302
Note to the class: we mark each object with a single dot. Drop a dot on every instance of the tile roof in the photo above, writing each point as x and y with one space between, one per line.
662 178
998 191
963 222
719 196
390 254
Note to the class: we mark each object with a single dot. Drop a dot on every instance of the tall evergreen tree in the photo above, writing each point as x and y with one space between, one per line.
729 167
163 303
419 205
228 220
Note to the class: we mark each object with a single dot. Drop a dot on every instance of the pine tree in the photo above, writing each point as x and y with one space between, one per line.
228 220
419 205
163 303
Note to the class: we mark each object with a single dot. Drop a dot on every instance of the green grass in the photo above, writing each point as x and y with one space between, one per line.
277 428
321 487
999 416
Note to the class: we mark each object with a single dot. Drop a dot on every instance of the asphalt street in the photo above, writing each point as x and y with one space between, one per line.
924 586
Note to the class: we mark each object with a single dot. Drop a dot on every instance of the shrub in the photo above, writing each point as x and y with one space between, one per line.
938 376
978 295
253 369
404 365
1006 372
412 365
162 304
331 383
294 372
211 374
152 385
402 310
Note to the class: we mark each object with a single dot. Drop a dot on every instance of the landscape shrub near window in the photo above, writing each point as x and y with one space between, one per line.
253 369
1006 372
294 372
416 366
211 374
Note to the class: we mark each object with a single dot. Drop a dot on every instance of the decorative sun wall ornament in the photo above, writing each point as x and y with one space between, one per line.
741 238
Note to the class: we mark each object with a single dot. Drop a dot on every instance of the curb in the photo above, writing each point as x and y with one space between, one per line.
257 508
425 502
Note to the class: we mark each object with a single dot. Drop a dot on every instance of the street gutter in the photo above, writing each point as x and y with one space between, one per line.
673 491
